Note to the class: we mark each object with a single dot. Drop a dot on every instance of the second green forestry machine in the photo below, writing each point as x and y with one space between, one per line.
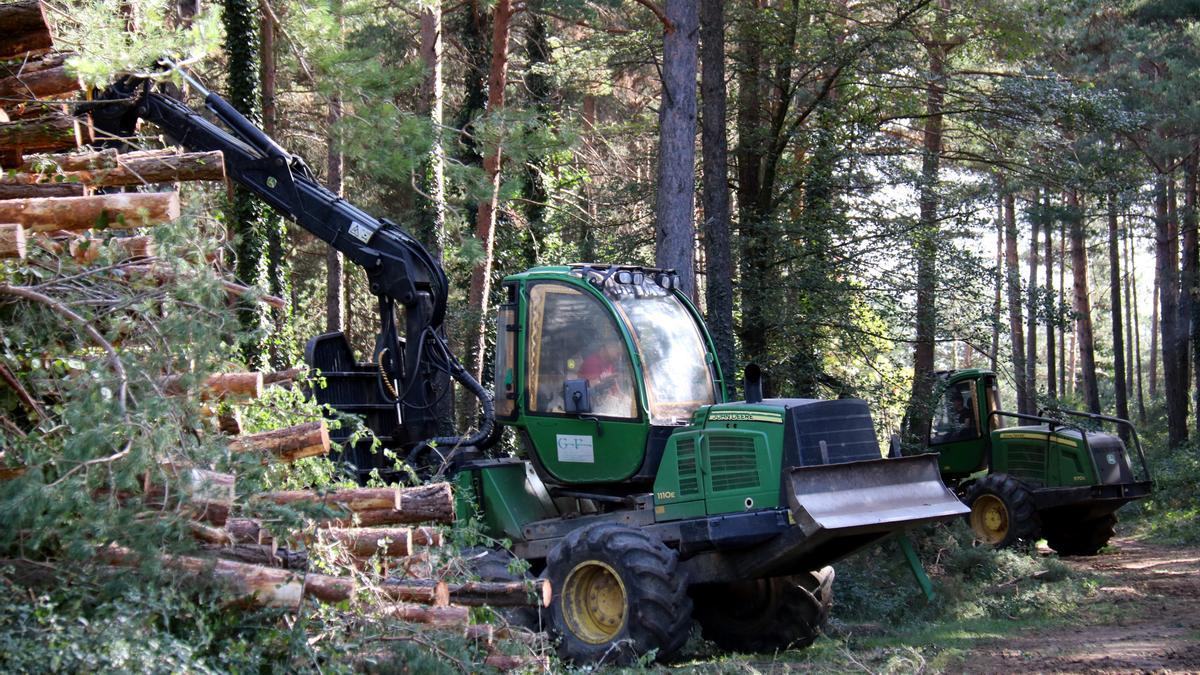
646 498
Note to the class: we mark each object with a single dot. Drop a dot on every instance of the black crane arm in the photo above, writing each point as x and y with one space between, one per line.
399 269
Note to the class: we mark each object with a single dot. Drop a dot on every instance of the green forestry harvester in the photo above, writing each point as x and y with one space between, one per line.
1047 475
643 495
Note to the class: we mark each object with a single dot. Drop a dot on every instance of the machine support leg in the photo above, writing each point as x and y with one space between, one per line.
914 563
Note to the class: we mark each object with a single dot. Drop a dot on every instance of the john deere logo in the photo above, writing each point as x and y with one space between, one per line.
746 416
1112 458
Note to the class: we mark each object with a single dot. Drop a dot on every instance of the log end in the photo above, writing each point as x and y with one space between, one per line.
12 241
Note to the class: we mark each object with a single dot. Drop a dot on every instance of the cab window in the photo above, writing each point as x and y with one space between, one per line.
954 418
573 336
505 380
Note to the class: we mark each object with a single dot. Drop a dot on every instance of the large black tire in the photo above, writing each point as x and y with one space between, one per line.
493 565
617 596
1086 538
1002 512
765 615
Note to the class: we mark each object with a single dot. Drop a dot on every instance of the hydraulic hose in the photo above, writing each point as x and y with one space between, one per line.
483 436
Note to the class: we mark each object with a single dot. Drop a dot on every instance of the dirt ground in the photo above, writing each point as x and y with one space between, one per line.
1146 618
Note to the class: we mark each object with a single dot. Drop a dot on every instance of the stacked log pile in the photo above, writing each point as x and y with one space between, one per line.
60 202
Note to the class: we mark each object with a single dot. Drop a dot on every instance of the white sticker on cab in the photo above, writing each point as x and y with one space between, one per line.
575 449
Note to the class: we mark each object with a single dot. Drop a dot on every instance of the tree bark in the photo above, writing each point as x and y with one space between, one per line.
1154 331
1049 306
39 190
675 231
25 28
1015 329
289 444
433 177
753 230
1188 288
1118 328
920 403
997 289
126 210
48 133
365 542
485 219
47 76
1134 318
1031 352
1083 305
1058 313
133 168
1167 262
717 220
335 161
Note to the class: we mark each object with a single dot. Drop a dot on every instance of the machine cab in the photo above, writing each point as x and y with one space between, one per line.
596 365
962 420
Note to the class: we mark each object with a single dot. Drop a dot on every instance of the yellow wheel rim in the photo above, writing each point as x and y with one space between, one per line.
989 519
594 602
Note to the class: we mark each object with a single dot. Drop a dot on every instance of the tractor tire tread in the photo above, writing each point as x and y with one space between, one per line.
661 617
1025 525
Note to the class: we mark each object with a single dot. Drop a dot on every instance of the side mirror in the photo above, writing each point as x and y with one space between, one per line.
576 398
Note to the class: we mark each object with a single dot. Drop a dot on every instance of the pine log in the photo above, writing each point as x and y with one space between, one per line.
355 500
484 633
252 584
87 248
502 593
221 385
442 617
210 535
248 531
125 210
38 78
12 241
45 133
230 423
263 554
39 191
201 494
427 536
11 472
368 541
134 168
69 162
284 377
434 502
297 442
25 28
508 662
341 589
236 290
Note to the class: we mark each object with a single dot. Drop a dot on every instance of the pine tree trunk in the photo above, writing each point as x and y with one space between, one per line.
994 353
246 215
1015 329
754 238
718 259
1114 279
1031 353
1167 262
1134 318
1189 280
279 284
920 403
335 263
1154 329
1058 311
675 231
485 216
1083 304
433 178
1051 366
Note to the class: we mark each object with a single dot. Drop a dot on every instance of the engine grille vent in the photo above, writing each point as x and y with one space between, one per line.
685 450
732 462
1027 462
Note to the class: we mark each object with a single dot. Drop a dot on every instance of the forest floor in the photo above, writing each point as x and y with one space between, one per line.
1145 618
1141 614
